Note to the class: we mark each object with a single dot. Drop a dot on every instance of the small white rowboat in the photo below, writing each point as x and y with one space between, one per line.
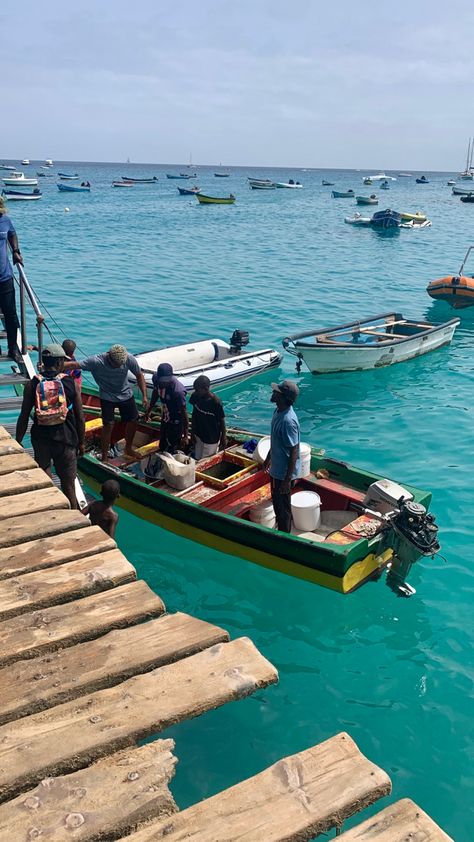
224 363
369 343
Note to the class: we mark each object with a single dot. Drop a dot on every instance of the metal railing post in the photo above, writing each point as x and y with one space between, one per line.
22 316
39 326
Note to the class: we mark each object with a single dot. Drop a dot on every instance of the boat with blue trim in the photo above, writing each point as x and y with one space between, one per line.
74 188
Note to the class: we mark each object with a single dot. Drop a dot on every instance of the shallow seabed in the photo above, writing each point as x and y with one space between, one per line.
146 267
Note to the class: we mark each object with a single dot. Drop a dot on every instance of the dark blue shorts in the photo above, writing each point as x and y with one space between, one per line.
128 410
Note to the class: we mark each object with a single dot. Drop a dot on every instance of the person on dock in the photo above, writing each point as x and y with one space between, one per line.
8 236
208 430
69 347
57 433
283 460
110 372
174 413
101 512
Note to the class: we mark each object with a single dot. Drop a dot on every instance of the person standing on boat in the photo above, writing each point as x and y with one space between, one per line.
7 284
57 433
69 347
283 460
208 431
110 372
174 413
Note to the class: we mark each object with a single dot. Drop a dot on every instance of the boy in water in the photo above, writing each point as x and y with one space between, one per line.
101 512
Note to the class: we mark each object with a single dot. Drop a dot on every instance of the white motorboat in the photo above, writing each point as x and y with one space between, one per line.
19 196
49 162
7 167
225 363
380 177
292 185
25 162
372 342
16 178
357 219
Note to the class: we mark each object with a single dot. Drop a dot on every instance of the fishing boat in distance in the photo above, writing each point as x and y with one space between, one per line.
386 220
20 196
346 194
7 167
188 191
25 162
327 183
456 290
469 199
19 179
291 185
74 188
451 182
414 217
405 175
379 177
372 342
367 180
349 525
385 185
358 219
255 185
468 173
179 175
140 180
122 183
367 200
221 174
64 176
460 191
215 200
422 180
225 363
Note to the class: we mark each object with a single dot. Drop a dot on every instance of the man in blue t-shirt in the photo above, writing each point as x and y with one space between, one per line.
7 286
174 413
283 460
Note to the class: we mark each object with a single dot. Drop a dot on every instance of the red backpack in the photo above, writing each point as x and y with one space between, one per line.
50 401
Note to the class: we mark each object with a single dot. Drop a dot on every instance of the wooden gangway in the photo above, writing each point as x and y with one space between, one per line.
91 663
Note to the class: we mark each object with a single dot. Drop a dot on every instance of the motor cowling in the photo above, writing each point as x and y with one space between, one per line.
238 340
414 534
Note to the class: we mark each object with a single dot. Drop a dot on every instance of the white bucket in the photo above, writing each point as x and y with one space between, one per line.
264 514
305 457
262 450
306 510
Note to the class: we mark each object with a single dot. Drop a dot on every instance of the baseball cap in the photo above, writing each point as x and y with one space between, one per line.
118 354
288 389
164 372
53 350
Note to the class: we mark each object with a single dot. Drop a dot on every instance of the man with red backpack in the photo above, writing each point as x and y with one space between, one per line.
57 433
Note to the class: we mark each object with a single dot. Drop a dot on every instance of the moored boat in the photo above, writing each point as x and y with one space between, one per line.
357 219
422 180
7 167
461 191
451 182
73 188
225 363
221 174
188 191
45 174
20 196
363 524
68 176
405 175
18 178
347 194
371 342
254 185
469 199
141 180
367 180
122 184
327 183
415 217
385 185
215 200
381 177
456 290
385 220
367 200
292 185
179 175
25 162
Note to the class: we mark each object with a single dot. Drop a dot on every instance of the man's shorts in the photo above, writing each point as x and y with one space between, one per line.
128 410
63 457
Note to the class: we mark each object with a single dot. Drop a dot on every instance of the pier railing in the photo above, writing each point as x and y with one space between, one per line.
27 296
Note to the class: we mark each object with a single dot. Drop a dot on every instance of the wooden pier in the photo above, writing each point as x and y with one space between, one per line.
91 663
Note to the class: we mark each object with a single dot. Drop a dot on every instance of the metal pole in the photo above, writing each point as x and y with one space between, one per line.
39 325
22 316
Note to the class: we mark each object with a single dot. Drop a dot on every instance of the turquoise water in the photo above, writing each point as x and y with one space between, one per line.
148 268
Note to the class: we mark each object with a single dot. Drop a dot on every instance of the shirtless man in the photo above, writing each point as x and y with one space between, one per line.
101 512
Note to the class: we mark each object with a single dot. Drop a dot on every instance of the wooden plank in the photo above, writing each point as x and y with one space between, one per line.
400 822
64 583
37 632
20 481
47 552
9 446
29 686
42 500
4 434
292 801
102 801
16 462
73 734
17 530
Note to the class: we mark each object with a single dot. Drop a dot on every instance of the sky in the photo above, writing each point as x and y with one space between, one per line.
304 83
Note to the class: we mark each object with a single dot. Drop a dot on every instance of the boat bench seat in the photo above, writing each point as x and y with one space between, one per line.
333 491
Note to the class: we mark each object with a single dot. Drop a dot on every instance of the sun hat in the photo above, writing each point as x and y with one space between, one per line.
164 373
54 350
288 389
118 354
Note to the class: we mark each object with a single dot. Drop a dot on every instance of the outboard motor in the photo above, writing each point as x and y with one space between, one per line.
415 534
238 339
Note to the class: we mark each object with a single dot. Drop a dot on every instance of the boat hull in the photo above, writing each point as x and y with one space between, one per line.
20 182
347 195
458 291
68 188
214 200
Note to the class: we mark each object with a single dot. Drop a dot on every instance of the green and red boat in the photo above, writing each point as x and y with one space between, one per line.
368 524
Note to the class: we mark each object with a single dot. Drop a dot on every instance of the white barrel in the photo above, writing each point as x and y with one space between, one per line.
264 514
262 450
306 510
305 457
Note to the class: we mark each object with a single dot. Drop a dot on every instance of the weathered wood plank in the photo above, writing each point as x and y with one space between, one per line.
73 734
292 801
48 552
64 583
42 500
38 632
16 462
20 481
17 530
4 434
29 686
8 446
102 801
400 822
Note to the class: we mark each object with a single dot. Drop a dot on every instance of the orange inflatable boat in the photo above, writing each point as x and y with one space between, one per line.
457 290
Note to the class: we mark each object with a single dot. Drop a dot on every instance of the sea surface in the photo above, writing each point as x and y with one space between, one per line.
146 267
